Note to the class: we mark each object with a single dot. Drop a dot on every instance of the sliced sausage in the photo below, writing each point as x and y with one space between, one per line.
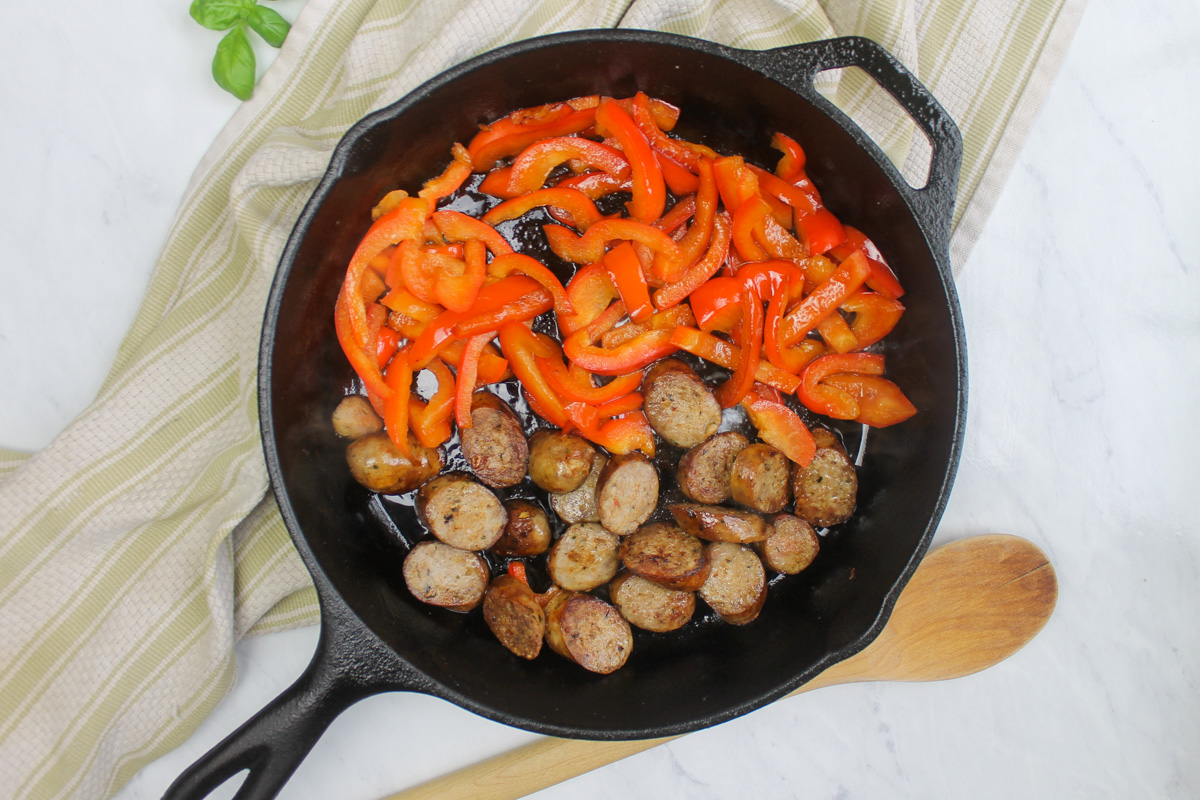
720 524
354 417
823 437
461 512
588 631
511 610
579 505
527 531
445 576
827 489
651 607
667 555
378 464
761 478
559 462
626 492
495 445
678 404
705 470
791 547
584 557
737 586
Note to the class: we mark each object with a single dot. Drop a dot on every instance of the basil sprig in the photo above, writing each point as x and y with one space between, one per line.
233 66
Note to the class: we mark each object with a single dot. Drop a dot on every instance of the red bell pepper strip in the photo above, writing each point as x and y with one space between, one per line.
458 292
505 138
409 270
750 215
408 327
491 298
493 367
695 243
364 363
722 353
497 183
523 308
590 291
386 346
662 321
731 392
521 264
795 358
769 278
626 273
819 231
395 407
573 390
672 149
458 227
699 273
837 334
589 248
468 371
678 216
582 210
802 198
522 347
830 400
717 305
880 401
372 286
535 163
791 164
649 190
825 299
620 405
516 569
623 435
456 173
882 279
404 301
778 242
735 182
678 179
633 355
778 425
874 316
595 184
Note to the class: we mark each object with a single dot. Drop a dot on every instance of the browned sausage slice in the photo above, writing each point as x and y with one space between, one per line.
627 492
720 524
649 606
445 576
823 437
827 489
737 586
495 445
678 404
354 417
792 547
511 610
584 557
527 532
667 555
378 464
579 505
588 631
461 512
559 462
761 478
705 470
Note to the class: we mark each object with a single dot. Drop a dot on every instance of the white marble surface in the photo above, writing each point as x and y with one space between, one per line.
1082 306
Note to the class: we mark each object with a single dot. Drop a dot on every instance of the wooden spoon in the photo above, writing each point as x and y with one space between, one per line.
970 604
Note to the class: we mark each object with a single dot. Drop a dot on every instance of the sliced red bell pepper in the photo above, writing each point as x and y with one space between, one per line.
497 183
589 248
522 347
695 243
825 299
661 321
455 174
791 164
768 278
837 334
731 392
819 231
521 309
395 407
717 305
458 227
567 386
386 346
535 163
623 435
670 148
408 327
468 372
874 316
458 292
880 401
579 206
721 352
830 400
778 425
626 273
802 198
590 291
678 179
678 216
633 355
699 273
520 264
505 137
593 184
750 215
778 242
492 297
795 358
649 189
404 301
882 279
493 367
364 363
409 269
735 181
623 404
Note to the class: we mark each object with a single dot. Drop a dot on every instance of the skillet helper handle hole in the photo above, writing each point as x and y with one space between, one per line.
798 67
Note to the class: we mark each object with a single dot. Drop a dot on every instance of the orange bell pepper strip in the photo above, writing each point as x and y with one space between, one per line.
454 176
590 291
778 425
492 368
523 308
880 402
522 347
874 316
386 346
731 392
626 273
497 183
491 298
579 206
700 272
589 248
468 371
649 189
662 321
536 162
408 327
458 292
395 407
505 137
695 242
832 401
593 184
404 301
520 264
678 179
791 163
819 231
824 300
458 227
573 390
795 358
632 355
882 279
623 435
364 362
722 353
672 149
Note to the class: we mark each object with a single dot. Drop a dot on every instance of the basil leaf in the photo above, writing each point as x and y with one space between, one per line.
219 15
233 65
269 25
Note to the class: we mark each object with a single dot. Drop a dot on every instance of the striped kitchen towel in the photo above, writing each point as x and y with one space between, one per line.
143 542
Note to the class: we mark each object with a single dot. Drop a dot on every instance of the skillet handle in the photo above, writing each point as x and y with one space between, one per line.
797 66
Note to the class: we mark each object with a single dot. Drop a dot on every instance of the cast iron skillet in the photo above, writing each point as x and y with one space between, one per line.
375 636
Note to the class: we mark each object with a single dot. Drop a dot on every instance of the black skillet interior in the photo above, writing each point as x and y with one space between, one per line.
708 672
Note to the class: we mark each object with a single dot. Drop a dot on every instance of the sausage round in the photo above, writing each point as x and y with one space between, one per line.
737 585
791 548
588 631
354 417
511 610
584 557
527 531
705 470
378 464
720 524
461 512
761 478
445 576
559 462
665 554
678 404
827 489
579 505
626 492
646 605
494 445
